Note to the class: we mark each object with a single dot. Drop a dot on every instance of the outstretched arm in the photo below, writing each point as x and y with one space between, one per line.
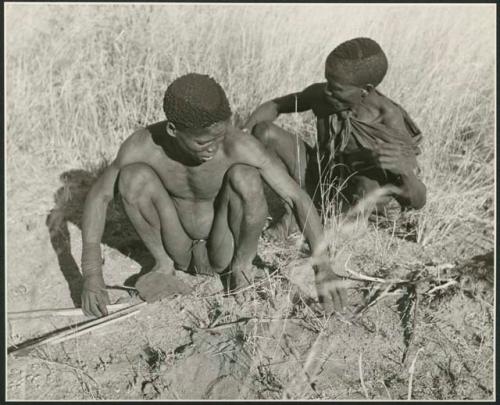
270 110
94 295
253 153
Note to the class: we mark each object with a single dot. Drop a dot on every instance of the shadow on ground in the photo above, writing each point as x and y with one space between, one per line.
118 233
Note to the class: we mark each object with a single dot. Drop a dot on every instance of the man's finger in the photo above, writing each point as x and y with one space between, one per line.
343 296
101 304
95 308
337 300
106 298
86 306
340 299
326 302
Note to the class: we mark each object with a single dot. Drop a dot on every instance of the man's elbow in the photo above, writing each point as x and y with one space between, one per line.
98 197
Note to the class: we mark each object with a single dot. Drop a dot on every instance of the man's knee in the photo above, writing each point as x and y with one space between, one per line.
135 182
245 180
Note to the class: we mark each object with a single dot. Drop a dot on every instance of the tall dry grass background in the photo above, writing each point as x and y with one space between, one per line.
81 78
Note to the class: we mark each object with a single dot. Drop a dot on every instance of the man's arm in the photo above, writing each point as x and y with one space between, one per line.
94 295
413 191
402 161
270 110
251 152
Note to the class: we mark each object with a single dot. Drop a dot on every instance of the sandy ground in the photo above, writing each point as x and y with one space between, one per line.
207 346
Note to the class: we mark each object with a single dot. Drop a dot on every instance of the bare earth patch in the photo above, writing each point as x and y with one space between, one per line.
419 325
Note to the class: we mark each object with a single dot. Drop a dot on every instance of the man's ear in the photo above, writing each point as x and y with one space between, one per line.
170 128
369 87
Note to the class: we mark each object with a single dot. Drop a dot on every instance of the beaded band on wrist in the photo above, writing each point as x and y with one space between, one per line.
91 259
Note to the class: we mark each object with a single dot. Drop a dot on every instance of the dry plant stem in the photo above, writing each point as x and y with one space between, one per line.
360 367
386 390
384 294
412 371
442 287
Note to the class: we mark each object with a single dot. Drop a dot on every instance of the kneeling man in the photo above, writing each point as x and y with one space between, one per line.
191 185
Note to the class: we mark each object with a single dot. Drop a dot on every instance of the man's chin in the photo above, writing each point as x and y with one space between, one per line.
205 159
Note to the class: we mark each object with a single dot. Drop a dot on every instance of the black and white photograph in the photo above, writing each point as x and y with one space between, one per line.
249 201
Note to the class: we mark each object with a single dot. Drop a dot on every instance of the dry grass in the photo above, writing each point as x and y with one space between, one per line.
81 78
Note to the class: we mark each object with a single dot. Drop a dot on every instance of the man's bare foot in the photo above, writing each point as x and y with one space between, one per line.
165 268
243 283
158 284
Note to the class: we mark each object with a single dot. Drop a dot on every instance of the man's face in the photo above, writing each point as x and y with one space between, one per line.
342 96
203 143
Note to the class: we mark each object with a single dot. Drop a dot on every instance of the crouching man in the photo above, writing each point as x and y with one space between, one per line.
191 186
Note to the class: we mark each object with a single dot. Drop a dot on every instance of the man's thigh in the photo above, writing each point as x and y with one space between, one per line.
145 191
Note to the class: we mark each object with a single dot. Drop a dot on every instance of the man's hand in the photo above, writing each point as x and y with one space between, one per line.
94 296
396 158
331 293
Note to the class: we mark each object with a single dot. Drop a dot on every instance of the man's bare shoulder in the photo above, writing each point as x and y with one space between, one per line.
136 147
385 104
391 113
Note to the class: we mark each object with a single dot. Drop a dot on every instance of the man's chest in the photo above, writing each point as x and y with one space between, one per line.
200 182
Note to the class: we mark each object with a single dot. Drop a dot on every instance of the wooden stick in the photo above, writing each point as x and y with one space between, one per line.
92 328
38 313
54 336
97 321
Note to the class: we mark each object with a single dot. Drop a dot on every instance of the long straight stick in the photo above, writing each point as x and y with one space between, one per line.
68 331
38 313
73 334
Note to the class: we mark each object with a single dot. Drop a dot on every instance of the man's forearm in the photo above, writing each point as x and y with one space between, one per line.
93 222
265 112
308 221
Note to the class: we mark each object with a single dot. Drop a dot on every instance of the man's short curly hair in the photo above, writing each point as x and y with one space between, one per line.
359 61
195 101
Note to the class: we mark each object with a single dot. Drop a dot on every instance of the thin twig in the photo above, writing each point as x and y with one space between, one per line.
387 390
442 287
412 371
360 367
